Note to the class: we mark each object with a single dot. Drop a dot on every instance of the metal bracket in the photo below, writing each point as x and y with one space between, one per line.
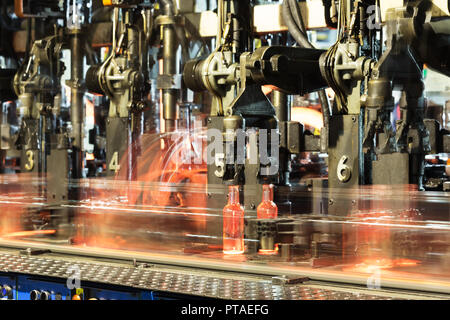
288 280
168 20
33 252
166 81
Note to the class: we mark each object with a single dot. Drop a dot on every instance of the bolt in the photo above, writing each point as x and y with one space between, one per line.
331 202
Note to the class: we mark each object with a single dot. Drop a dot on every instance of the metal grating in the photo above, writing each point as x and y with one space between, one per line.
179 283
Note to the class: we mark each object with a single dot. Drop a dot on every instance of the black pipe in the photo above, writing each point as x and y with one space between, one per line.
241 21
294 30
76 104
282 104
325 103
302 39
294 8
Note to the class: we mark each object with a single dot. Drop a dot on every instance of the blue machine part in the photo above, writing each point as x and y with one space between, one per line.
23 287
8 287
106 294
32 288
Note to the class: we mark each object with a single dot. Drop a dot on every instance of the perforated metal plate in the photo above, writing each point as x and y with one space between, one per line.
173 282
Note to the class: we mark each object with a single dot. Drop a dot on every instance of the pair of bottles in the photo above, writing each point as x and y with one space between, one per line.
233 218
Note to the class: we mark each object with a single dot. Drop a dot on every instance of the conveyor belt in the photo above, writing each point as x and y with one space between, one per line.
207 285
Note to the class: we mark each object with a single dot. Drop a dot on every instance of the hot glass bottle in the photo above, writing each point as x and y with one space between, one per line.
267 209
233 223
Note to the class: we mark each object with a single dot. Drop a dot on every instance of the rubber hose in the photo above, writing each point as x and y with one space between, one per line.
302 39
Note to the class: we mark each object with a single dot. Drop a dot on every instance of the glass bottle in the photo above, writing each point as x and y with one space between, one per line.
267 209
233 223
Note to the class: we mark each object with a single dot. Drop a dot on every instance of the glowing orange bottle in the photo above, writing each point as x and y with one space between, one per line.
267 209
233 223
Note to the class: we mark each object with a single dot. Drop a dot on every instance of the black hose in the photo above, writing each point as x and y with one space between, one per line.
325 103
296 33
291 11
294 8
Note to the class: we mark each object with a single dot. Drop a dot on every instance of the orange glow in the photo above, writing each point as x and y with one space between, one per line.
268 89
267 209
370 265
378 263
90 111
406 262
233 223
268 252
29 233
179 163
372 240
307 116
90 156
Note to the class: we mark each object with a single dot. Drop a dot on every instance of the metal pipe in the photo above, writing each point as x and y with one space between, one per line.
133 48
168 7
302 39
170 96
135 56
77 106
282 106
220 9
2 152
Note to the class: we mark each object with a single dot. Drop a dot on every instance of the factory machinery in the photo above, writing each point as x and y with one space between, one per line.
224 149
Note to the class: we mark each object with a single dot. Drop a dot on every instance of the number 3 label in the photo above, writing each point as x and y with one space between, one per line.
30 157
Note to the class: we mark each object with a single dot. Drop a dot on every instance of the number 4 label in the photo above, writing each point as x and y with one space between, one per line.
114 164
